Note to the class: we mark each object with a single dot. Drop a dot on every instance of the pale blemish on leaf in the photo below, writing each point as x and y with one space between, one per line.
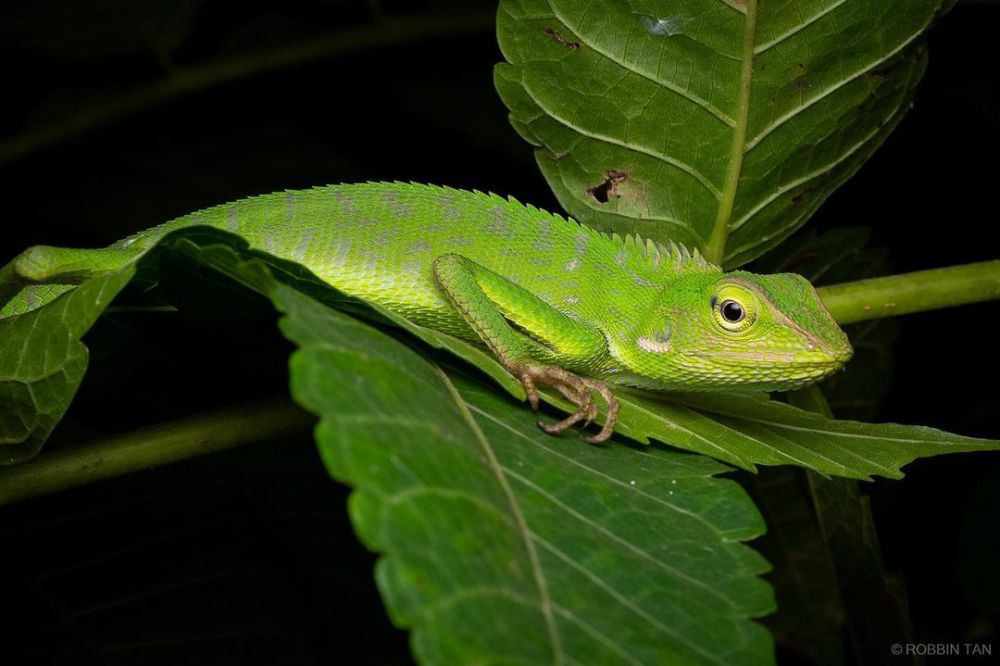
668 26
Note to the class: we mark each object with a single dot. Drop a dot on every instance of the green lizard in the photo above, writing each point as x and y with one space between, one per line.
558 304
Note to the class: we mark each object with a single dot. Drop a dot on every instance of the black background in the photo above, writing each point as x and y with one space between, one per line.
247 556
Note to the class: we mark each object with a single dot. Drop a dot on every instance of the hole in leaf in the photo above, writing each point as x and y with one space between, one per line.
607 188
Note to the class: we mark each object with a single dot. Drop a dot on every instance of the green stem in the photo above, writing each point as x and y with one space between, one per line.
912 292
141 449
187 80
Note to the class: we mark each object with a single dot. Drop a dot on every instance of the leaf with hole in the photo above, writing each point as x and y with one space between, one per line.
719 124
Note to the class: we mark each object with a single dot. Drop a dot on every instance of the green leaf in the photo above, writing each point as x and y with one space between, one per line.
773 433
720 124
614 555
876 600
837 255
810 618
589 555
42 362
829 577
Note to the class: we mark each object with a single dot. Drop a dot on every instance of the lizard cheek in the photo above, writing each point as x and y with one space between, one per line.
654 345
658 342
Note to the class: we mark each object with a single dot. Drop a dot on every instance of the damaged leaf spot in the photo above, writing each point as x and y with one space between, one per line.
608 188
880 74
802 196
556 36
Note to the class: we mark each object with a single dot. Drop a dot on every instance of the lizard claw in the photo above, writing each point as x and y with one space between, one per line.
529 388
579 391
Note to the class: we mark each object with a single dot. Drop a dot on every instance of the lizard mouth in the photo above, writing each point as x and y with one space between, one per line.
818 356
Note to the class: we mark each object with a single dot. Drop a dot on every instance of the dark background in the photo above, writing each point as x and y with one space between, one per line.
248 556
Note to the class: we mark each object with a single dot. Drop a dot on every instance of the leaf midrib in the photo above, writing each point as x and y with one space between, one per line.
715 250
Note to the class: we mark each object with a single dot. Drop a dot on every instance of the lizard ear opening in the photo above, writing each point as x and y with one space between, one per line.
658 341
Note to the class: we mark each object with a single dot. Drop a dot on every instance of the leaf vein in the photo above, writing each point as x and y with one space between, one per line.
700 178
663 83
621 598
760 48
778 122
598 473
522 525
676 573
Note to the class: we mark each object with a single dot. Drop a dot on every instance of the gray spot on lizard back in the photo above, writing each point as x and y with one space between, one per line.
398 207
412 265
386 235
543 240
362 223
499 224
640 281
304 244
370 261
346 201
232 219
418 247
339 252
449 210
459 241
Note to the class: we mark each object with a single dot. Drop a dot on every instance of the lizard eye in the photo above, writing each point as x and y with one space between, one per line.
732 311
735 308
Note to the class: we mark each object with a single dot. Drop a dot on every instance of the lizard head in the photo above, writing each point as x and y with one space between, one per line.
737 331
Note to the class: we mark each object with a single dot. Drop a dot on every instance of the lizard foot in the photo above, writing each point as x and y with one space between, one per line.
578 390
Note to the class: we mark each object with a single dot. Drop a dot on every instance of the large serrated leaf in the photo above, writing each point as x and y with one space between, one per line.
720 124
504 544
589 555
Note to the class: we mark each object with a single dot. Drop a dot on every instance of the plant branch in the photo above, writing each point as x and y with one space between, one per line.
912 292
142 449
187 80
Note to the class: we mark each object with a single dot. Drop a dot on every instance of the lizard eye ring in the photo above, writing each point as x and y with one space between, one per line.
732 311
735 308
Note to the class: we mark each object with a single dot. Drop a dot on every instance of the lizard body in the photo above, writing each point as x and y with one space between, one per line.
557 302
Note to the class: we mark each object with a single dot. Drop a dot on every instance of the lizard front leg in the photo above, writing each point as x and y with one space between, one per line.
544 338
